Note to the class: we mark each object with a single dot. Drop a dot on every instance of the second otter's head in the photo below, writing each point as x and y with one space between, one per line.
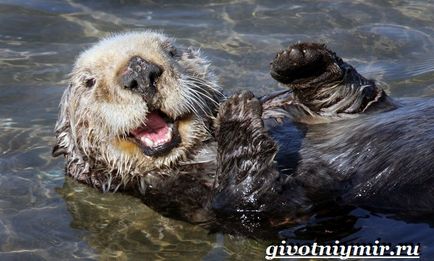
135 103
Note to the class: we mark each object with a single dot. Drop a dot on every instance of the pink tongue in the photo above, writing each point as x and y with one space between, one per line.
155 121
155 128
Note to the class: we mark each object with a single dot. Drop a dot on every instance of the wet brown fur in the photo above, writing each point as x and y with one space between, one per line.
288 154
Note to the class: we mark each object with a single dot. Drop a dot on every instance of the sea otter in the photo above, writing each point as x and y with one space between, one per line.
148 118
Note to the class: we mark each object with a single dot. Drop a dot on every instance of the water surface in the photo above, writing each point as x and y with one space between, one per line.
42 216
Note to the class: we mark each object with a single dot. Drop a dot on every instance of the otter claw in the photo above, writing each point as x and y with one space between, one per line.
239 107
299 61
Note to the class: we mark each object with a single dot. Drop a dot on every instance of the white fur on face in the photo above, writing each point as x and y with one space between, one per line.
94 120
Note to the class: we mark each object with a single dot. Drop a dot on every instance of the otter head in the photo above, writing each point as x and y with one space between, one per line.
322 81
135 103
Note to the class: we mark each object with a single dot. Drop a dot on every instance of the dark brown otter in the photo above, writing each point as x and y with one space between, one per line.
284 156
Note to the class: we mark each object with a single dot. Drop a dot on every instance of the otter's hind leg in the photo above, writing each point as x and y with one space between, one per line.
324 83
246 175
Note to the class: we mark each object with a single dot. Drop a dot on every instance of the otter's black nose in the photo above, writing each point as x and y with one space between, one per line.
141 76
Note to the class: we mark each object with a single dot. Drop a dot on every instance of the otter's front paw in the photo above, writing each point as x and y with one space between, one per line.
240 130
301 61
246 175
240 107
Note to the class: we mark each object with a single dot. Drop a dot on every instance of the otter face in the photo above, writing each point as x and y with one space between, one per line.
135 103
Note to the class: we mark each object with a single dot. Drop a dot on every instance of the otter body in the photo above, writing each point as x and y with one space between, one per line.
355 161
144 117
351 162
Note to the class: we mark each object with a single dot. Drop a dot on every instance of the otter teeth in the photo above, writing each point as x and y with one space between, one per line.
167 137
158 142
156 132
148 142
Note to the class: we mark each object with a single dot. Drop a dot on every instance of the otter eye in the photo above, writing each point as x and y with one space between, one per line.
90 82
172 52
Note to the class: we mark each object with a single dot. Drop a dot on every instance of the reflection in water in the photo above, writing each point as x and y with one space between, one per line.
121 226
129 228
391 41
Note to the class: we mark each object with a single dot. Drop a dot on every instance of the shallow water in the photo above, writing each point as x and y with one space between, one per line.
42 216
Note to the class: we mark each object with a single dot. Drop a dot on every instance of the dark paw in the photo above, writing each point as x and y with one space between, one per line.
246 175
301 61
240 107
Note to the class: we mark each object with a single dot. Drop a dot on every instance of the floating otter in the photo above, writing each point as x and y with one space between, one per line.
148 118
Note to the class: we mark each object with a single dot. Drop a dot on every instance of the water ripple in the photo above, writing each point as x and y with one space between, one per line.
41 217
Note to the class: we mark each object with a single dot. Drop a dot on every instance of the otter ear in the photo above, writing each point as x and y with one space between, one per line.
192 53
198 62
62 129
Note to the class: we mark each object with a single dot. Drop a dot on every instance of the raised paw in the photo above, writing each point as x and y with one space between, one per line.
239 125
246 175
301 61
239 108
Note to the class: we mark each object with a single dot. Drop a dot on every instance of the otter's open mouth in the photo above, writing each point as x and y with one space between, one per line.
158 135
